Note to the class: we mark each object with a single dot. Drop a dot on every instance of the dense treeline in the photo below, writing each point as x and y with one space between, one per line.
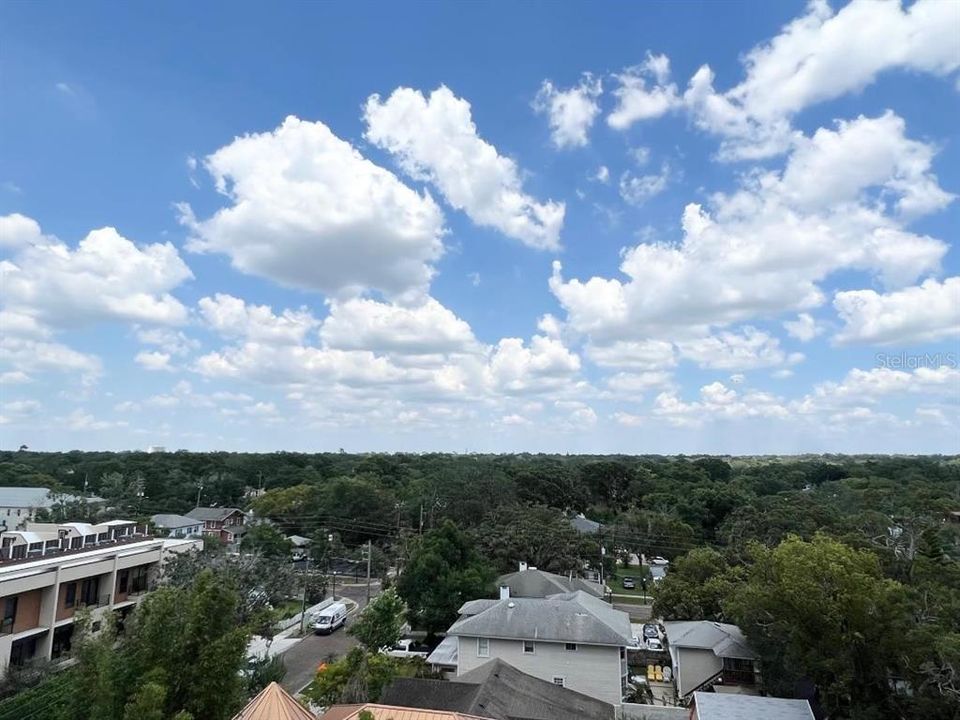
842 570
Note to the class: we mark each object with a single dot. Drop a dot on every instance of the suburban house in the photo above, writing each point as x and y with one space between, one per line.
274 703
225 523
709 654
533 583
573 640
392 712
498 690
728 706
49 571
178 526
19 505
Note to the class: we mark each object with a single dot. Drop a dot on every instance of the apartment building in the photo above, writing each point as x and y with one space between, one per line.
50 571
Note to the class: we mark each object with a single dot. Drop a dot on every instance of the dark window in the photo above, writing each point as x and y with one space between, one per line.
570 646
61 640
9 615
88 591
23 650
95 627
138 579
122 581
71 597
738 671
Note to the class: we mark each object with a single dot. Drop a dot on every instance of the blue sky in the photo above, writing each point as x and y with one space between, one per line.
660 227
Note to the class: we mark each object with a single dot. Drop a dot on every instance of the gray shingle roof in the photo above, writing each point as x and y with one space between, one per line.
498 690
212 513
32 497
539 584
585 525
724 639
171 521
724 706
568 617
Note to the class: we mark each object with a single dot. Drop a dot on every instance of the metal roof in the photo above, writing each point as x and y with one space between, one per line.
25 497
568 617
274 703
730 706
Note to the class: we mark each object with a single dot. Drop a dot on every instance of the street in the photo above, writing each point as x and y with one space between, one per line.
303 658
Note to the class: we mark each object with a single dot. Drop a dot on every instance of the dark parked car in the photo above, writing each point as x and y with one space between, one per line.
629 583
650 631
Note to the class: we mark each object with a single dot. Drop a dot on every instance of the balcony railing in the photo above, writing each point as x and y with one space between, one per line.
59 546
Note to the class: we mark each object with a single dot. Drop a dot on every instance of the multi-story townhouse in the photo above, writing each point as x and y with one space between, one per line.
48 572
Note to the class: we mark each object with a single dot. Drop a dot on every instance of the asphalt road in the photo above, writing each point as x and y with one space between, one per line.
302 659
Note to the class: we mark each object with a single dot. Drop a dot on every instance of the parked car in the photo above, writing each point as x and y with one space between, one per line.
408 648
629 583
329 619
658 560
654 644
650 631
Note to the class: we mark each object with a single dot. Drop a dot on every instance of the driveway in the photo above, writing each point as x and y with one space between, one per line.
302 659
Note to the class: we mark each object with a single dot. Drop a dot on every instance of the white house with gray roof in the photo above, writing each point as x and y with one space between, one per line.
571 639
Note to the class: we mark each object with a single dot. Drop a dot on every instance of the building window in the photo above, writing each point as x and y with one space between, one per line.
70 598
95 627
528 647
123 580
558 681
88 591
572 647
9 615
22 650
138 579
483 647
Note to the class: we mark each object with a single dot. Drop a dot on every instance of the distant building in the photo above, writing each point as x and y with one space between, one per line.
19 505
585 525
225 523
49 570
156 449
177 526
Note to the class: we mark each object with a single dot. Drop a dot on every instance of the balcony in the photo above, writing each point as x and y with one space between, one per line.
95 602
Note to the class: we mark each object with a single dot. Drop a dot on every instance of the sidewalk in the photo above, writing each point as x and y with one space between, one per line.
285 639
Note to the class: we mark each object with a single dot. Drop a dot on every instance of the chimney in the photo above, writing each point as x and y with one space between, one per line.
504 592
523 566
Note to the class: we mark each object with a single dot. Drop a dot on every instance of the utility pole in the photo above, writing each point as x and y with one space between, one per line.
421 518
369 556
199 490
303 604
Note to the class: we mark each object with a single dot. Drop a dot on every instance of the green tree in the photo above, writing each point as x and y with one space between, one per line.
695 588
823 611
443 572
381 623
536 534
360 676
147 702
264 539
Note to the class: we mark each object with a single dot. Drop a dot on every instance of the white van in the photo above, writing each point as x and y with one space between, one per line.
329 619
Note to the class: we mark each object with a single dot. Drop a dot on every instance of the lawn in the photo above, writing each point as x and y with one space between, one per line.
615 583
